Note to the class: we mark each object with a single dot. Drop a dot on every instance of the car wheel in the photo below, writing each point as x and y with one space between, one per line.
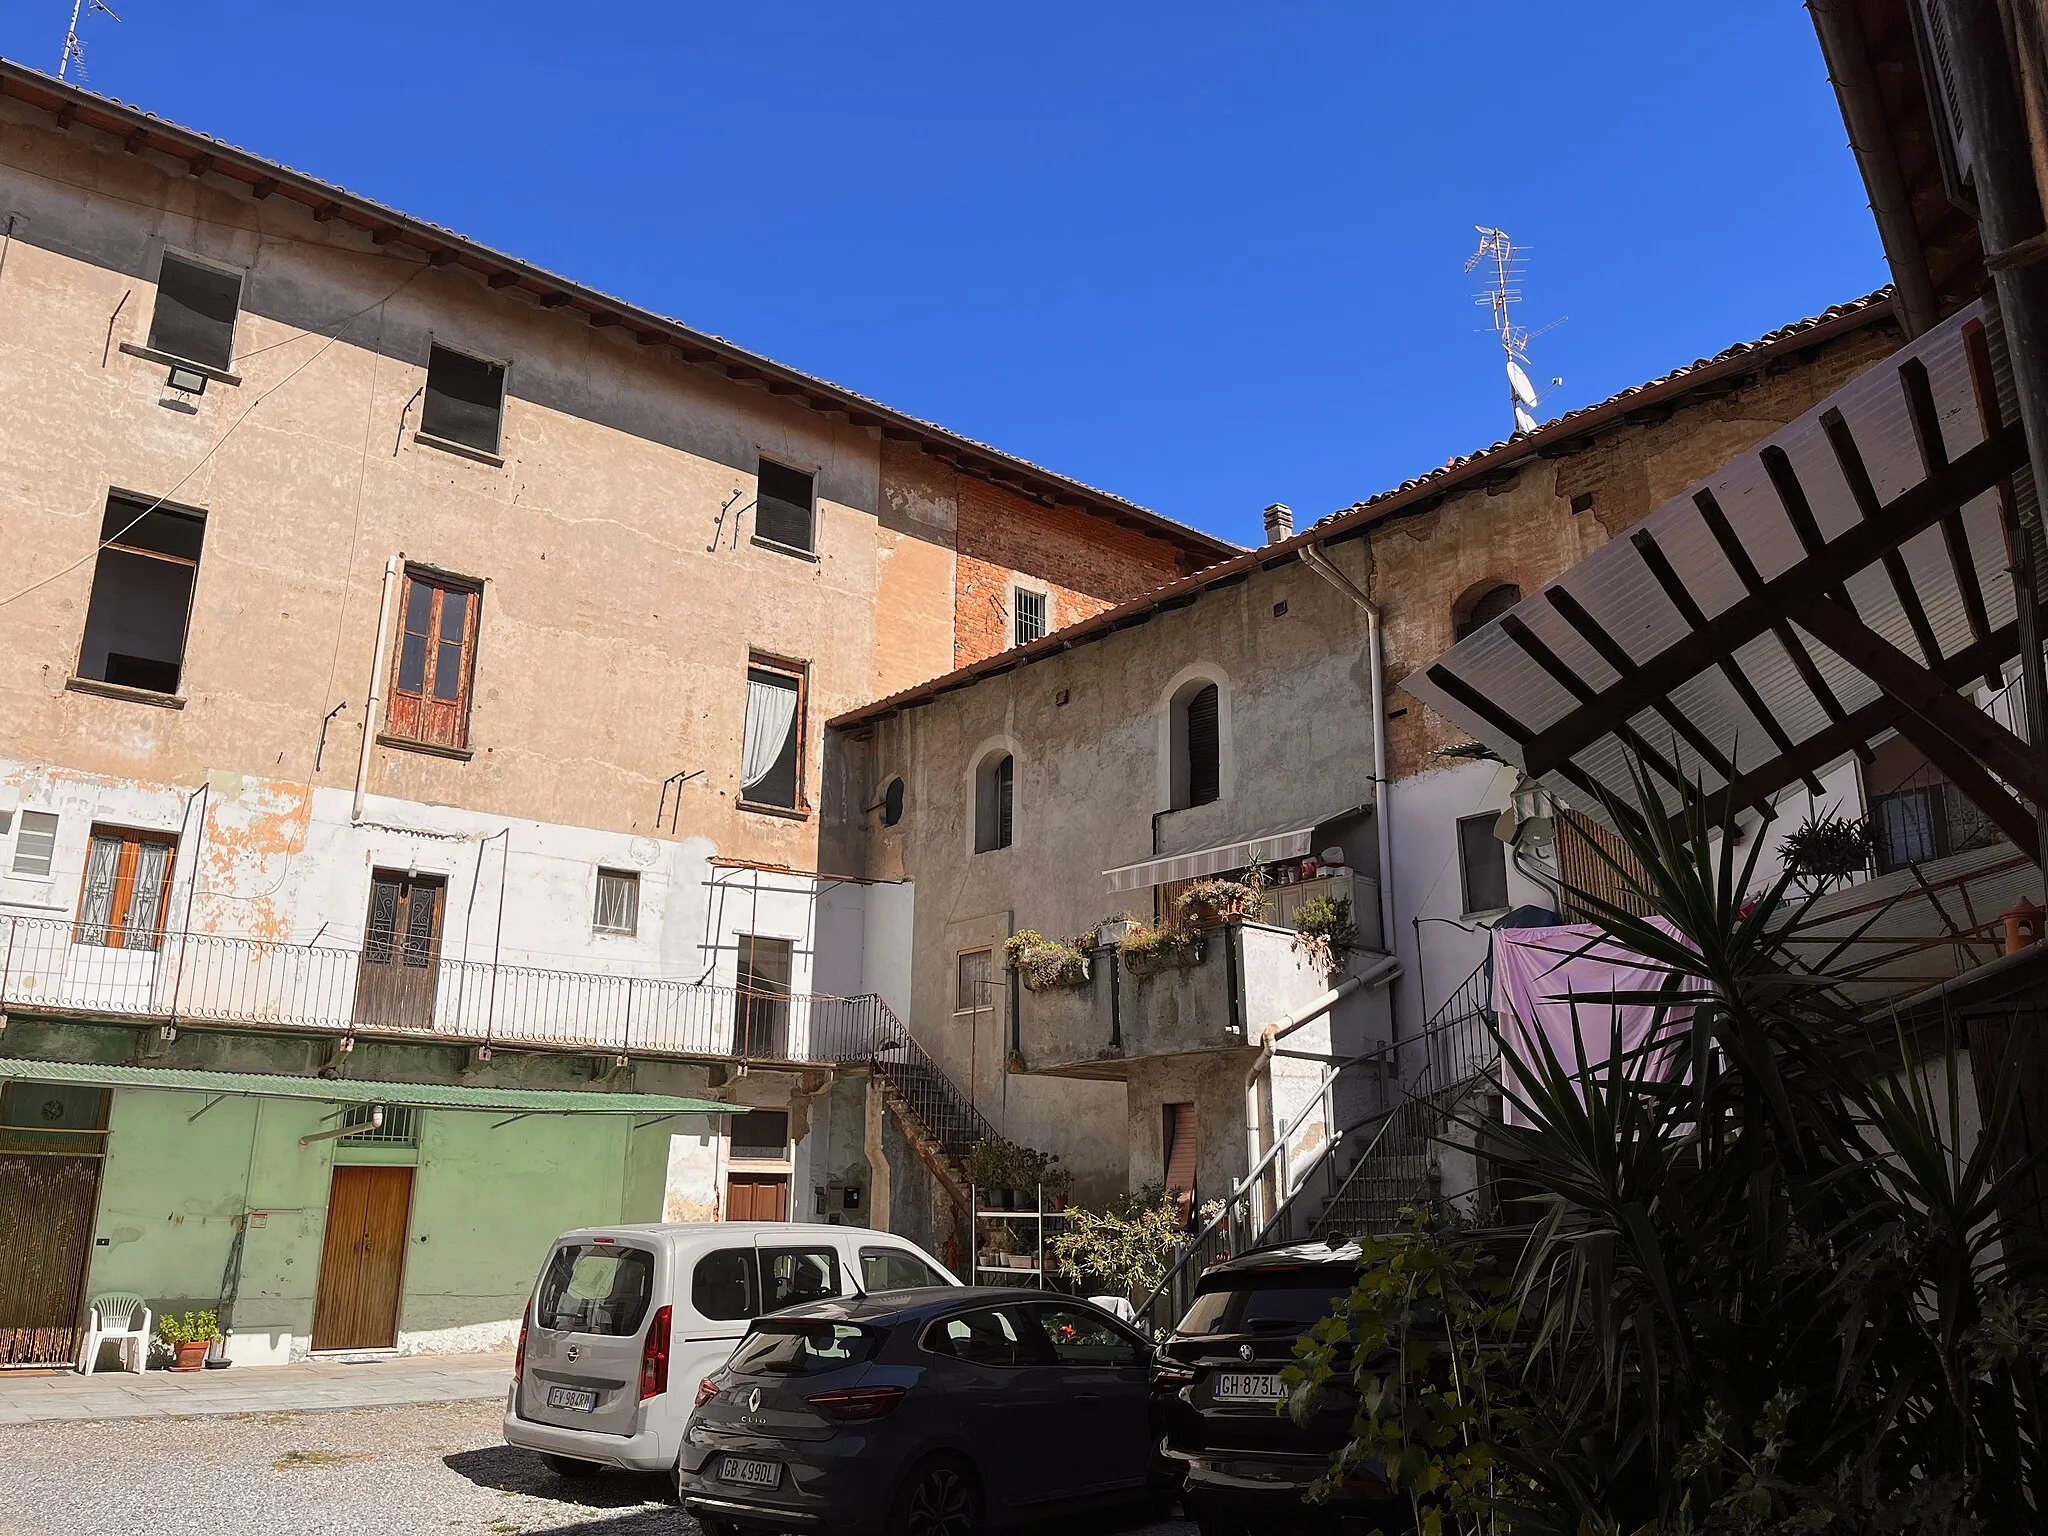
940 1497
569 1466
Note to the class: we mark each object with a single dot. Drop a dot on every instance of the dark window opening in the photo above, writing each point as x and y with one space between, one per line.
783 506
1205 762
761 1015
436 660
1028 616
761 1133
1484 860
465 400
892 803
141 606
1481 607
994 803
195 314
771 754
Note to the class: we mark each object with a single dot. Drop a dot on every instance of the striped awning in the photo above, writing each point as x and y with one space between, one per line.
1261 848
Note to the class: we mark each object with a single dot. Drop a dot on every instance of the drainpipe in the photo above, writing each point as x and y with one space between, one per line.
374 1123
1382 819
373 715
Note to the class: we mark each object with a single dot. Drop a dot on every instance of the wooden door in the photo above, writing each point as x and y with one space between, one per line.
401 961
362 1263
46 1220
757 1197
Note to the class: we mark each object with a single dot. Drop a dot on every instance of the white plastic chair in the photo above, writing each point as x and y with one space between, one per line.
114 1317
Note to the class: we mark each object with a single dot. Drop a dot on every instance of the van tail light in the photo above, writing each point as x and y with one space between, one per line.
851 1404
654 1357
707 1389
519 1360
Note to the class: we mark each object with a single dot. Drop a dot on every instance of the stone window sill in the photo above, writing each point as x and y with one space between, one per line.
784 549
147 696
786 812
430 748
460 450
172 360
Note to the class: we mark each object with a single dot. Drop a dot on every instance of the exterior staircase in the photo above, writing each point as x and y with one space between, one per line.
934 1115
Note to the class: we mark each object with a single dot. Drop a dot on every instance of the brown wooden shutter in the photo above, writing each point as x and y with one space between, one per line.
1180 1152
1205 771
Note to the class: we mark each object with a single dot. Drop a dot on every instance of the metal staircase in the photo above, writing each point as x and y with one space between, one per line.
935 1115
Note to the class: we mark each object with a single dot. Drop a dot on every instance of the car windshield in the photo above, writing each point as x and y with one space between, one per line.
1266 1301
596 1288
803 1349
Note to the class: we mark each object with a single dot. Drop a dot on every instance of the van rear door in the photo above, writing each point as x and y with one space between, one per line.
589 1332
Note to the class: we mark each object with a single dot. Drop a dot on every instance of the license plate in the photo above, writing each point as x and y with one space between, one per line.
1246 1387
755 1474
572 1397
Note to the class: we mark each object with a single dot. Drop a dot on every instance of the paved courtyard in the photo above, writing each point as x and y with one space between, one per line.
436 1467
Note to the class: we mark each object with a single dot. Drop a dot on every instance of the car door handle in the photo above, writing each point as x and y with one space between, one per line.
1087 1397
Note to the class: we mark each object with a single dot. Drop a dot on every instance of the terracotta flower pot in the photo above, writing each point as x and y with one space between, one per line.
191 1355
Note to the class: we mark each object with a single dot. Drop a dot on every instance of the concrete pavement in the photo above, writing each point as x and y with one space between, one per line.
312 1386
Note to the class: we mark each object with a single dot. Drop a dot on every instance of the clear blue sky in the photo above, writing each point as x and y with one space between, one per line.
1204 255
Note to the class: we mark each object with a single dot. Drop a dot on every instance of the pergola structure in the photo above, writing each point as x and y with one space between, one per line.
1863 571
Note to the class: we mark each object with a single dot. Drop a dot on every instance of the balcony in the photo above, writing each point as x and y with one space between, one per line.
396 990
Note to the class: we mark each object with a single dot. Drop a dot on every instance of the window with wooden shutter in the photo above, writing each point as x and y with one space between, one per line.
127 889
1179 1133
995 783
1205 782
974 980
430 685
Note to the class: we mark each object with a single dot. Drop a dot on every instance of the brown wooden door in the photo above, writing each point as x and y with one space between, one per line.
46 1221
757 1197
362 1264
401 951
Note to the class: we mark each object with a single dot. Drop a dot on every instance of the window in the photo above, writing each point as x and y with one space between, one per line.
35 845
1481 605
761 1014
1086 1338
988 1336
196 306
465 401
1028 615
976 984
598 1288
722 1285
784 500
1204 750
797 1348
892 802
141 602
1180 1149
891 1269
994 802
761 1135
618 902
1281 1300
791 1276
1484 859
127 889
401 1126
771 756
430 687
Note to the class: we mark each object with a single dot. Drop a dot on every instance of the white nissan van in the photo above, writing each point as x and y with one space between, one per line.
625 1321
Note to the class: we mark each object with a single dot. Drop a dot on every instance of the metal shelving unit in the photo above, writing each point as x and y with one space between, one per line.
1038 1219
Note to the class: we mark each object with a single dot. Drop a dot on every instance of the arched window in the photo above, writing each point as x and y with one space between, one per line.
994 800
1196 740
1481 605
1204 749
892 802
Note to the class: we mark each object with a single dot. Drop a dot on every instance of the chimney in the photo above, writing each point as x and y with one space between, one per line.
1279 522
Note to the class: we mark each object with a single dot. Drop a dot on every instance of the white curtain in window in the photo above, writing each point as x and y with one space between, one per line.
145 902
96 909
771 715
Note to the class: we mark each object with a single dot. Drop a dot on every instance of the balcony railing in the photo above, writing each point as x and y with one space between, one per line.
390 989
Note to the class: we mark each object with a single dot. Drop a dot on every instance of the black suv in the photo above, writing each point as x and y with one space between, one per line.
1216 1393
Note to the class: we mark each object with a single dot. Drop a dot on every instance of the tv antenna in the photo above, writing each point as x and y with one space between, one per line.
74 50
1499 252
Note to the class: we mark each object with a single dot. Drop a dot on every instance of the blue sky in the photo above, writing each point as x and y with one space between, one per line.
1207 256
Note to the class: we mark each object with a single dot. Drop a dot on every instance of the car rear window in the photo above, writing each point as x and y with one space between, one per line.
1266 1301
891 1269
596 1288
803 1349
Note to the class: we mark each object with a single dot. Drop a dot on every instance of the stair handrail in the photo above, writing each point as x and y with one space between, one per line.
885 1032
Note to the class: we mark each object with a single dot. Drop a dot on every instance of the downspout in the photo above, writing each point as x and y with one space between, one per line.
373 715
1382 818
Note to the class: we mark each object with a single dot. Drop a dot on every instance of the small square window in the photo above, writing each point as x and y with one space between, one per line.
196 305
1483 859
465 400
35 845
976 984
1028 615
784 506
618 901
771 756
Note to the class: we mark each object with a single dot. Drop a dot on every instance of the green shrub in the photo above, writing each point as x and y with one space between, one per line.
192 1328
1046 964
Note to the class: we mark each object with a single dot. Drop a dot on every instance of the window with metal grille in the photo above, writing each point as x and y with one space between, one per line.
994 802
1483 859
618 901
430 685
1482 606
35 845
126 891
771 755
465 401
975 982
141 603
401 1127
196 305
1205 764
1028 614
784 507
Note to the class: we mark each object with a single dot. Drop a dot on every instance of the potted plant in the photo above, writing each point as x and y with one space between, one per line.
1047 964
1002 1242
189 1338
1243 898
1146 950
1324 930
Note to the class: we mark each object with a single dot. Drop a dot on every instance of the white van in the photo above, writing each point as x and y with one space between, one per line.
625 1321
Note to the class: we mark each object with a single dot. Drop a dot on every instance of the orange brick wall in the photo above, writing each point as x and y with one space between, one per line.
1086 563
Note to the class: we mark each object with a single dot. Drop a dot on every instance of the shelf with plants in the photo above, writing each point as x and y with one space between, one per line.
1016 1196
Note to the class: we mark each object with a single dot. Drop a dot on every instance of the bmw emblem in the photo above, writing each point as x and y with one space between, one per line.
1244 1351
571 1353
754 1400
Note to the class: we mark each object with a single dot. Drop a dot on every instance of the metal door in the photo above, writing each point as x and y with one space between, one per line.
46 1220
401 951
362 1263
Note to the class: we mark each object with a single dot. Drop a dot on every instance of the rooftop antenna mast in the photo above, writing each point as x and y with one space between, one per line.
1504 259
74 50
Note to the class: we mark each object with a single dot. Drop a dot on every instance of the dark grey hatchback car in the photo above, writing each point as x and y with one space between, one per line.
920 1413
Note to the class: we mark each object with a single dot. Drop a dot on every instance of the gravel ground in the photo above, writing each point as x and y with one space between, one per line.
387 1470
